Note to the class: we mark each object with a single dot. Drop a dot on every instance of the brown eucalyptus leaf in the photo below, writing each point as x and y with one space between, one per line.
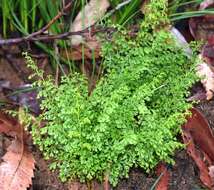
89 15
195 155
163 183
16 168
196 133
202 135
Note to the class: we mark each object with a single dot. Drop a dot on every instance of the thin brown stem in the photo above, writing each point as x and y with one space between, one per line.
62 36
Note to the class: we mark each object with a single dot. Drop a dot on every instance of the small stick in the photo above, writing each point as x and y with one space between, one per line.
50 37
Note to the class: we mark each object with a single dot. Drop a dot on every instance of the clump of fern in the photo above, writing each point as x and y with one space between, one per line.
132 117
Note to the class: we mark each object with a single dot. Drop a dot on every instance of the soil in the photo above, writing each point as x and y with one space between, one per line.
183 174
44 179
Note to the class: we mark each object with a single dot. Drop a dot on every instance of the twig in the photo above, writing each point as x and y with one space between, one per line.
158 179
65 35
59 15
36 36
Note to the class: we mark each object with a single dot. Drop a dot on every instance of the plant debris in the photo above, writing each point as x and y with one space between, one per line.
16 168
199 142
205 72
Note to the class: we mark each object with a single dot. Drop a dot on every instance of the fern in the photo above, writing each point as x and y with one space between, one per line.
133 115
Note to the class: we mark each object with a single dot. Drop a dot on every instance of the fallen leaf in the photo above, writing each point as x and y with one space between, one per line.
164 174
205 72
211 172
205 4
196 131
195 155
199 128
89 15
16 168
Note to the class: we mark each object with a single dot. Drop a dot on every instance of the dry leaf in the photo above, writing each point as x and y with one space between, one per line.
195 155
89 15
16 168
205 4
200 131
196 131
211 172
205 72
164 180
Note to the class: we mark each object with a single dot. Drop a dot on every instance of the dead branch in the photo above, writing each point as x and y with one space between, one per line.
59 15
62 36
